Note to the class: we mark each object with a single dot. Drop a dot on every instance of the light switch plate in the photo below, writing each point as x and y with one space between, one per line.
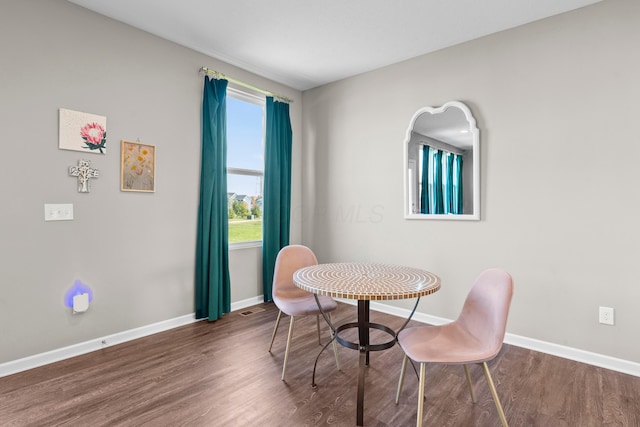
58 212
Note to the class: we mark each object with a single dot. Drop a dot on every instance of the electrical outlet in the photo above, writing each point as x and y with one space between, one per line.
606 315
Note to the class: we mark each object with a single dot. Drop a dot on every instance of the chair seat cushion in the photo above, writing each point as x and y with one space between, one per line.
450 343
302 303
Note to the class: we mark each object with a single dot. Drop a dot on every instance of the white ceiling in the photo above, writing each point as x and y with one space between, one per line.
304 43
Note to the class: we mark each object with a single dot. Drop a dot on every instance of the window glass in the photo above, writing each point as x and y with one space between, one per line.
245 133
245 166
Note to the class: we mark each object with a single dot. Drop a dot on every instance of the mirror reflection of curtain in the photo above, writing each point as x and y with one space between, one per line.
424 187
435 183
441 182
447 183
457 185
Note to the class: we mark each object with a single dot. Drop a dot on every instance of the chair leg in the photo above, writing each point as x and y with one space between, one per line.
275 329
421 394
468 375
401 379
494 393
335 345
286 352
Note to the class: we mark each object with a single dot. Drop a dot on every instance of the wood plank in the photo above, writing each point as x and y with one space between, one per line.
220 374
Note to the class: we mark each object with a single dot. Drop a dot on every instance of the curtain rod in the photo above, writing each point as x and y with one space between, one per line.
219 75
439 145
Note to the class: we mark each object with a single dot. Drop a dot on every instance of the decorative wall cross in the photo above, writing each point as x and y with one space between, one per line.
84 172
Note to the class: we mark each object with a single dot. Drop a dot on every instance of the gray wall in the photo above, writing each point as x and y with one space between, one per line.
136 251
564 226
557 105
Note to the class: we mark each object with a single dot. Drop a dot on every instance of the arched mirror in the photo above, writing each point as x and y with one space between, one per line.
442 164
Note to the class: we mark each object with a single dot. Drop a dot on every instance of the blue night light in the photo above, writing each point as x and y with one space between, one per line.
78 288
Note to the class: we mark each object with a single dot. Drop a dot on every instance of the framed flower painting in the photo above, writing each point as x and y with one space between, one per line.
82 132
138 166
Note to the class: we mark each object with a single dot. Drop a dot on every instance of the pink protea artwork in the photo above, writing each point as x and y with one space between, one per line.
94 135
82 132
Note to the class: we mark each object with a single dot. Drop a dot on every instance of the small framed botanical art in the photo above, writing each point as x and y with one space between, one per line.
82 132
138 167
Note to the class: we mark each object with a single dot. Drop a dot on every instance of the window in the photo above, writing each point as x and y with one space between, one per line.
245 167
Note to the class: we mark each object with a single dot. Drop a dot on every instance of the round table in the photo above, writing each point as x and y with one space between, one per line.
365 282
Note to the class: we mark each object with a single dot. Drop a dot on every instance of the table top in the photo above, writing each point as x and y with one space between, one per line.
366 281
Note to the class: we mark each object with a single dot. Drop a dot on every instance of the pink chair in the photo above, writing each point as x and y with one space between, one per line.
294 301
475 337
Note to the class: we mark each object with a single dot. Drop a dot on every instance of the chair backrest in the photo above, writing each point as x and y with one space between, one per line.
290 259
486 308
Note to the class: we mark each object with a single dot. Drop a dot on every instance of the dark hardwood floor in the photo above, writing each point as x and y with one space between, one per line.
220 374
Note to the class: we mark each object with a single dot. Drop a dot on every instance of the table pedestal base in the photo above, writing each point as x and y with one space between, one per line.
363 346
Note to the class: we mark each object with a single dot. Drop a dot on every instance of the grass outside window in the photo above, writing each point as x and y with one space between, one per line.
241 230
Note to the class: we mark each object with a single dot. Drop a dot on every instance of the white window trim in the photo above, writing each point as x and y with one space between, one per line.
246 96
245 245
249 172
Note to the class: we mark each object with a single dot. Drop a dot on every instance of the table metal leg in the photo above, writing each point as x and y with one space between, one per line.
326 317
361 371
366 328
363 345
408 318
334 335
363 335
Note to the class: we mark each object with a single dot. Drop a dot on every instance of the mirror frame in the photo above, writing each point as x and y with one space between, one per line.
476 163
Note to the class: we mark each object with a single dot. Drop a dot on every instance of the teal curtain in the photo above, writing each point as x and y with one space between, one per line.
277 189
447 183
437 205
457 185
213 296
441 191
424 190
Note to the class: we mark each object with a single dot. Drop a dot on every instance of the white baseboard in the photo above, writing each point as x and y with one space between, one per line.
601 360
30 362
235 306
52 356
15 366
